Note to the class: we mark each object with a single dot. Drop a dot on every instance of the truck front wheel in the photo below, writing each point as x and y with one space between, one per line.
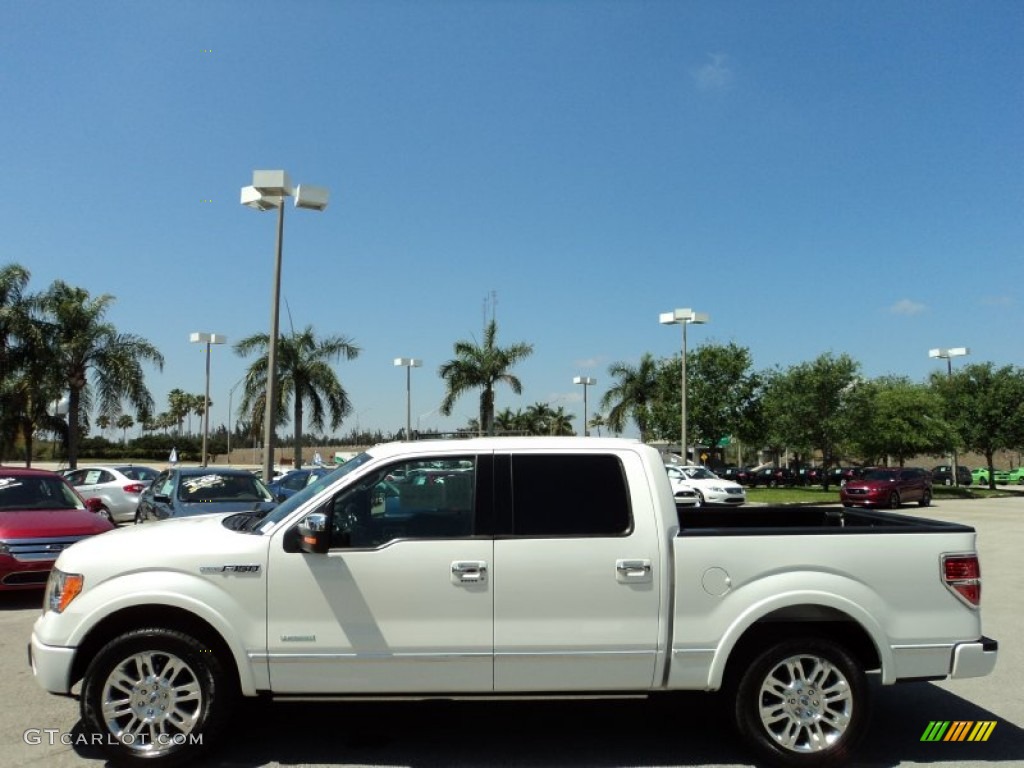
802 703
155 697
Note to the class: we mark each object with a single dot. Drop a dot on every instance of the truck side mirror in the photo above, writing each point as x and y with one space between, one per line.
314 534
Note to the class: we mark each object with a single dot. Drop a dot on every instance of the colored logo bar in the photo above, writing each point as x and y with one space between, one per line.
958 730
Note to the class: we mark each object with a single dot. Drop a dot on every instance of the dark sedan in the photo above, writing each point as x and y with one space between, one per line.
294 481
188 491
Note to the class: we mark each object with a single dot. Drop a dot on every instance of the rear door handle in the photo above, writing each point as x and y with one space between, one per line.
469 571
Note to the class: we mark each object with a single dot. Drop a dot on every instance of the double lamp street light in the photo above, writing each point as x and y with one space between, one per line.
683 317
268 191
947 354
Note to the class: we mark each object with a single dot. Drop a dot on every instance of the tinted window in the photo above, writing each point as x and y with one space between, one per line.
569 495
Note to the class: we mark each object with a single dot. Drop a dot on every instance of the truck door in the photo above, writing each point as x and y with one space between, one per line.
576 588
403 601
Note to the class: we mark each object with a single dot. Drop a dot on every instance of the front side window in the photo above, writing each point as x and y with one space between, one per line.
408 500
569 495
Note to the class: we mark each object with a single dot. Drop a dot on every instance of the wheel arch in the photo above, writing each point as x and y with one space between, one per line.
154 615
844 626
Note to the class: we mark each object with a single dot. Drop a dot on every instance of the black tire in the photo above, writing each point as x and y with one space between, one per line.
773 483
155 697
926 499
802 704
700 499
106 514
894 500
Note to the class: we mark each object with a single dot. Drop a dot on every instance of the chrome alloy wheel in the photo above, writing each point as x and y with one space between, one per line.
151 701
805 704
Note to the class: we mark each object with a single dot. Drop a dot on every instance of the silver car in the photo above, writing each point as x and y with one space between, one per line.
117 486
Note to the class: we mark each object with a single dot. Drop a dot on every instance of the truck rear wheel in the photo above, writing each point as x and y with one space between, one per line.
155 697
802 703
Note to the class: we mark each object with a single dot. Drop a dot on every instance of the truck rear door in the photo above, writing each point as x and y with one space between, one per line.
576 593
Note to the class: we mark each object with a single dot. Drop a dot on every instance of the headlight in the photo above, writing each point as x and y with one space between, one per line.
61 589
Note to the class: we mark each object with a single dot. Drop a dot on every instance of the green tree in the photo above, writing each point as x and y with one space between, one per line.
597 421
985 406
807 405
632 395
178 407
560 422
898 419
124 423
721 394
482 366
90 354
307 380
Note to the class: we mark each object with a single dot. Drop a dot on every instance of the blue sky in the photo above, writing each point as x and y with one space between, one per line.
816 176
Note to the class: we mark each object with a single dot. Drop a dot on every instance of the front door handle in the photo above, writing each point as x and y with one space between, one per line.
469 571
632 571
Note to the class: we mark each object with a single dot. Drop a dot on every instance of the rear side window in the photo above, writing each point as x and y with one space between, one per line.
569 495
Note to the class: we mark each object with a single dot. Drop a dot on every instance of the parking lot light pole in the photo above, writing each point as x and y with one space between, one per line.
683 317
268 190
209 339
586 381
408 363
947 354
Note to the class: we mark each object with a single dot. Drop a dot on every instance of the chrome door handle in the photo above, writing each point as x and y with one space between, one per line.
633 570
469 571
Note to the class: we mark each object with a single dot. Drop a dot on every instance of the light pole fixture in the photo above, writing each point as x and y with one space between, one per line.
408 363
586 381
268 190
209 339
683 317
947 354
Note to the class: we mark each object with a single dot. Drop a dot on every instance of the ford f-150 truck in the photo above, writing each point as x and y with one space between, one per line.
510 567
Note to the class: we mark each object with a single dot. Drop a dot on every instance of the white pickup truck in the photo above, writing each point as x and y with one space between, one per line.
518 567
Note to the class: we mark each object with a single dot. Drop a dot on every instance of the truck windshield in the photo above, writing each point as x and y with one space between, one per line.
286 507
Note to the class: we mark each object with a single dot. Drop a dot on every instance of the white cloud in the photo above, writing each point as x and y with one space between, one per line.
716 75
907 307
997 301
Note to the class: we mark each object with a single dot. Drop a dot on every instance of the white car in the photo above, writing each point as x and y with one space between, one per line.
709 487
117 486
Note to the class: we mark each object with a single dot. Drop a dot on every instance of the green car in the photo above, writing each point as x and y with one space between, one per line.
1016 476
979 476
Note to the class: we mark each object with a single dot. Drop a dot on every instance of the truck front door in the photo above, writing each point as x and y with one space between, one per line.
403 601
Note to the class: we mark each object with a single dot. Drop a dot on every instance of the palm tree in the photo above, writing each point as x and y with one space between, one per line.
560 422
85 347
597 421
14 321
481 366
305 376
632 394
124 423
178 407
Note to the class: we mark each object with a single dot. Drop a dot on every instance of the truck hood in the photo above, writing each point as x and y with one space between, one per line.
187 543
48 523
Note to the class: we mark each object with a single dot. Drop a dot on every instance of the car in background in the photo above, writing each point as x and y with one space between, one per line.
888 487
811 476
1015 476
41 515
189 491
294 481
980 476
842 475
774 477
117 486
943 475
739 475
709 487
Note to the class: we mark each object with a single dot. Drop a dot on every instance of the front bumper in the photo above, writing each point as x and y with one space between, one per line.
51 665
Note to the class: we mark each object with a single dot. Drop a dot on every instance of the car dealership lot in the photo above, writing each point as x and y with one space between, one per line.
681 730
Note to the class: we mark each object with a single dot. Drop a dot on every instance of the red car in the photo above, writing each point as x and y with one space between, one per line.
40 515
888 487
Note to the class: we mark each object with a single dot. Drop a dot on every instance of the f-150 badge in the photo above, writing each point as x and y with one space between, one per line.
229 568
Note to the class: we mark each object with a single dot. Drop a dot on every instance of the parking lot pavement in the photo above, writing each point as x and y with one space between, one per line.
684 730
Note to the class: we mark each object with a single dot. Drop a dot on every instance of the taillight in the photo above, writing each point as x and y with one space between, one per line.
962 576
134 488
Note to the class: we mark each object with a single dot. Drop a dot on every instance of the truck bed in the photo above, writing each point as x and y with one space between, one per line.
790 519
